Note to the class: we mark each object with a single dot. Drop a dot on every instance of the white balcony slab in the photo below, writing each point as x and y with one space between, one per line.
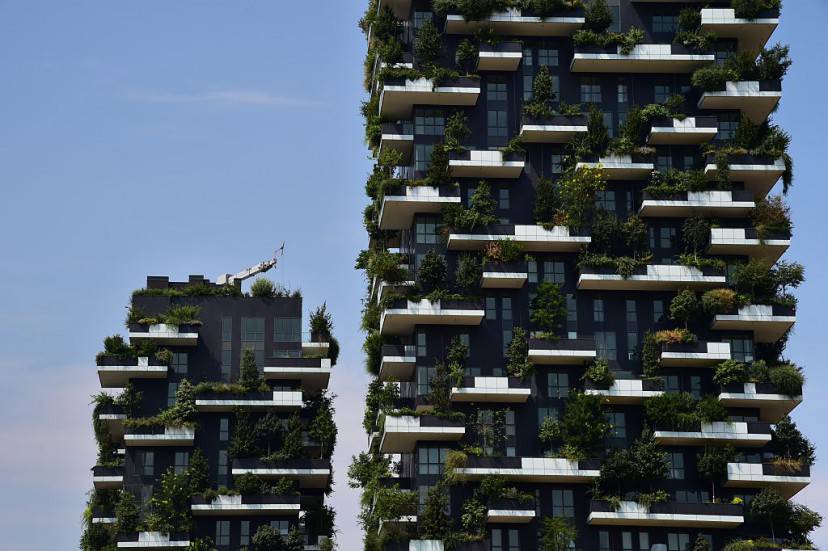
154 540
499 61
735 241
698 203
758 178
398 366
534 469
735 433
172 436
401 434
490 389
620 167
658 278
746 96
631 513
766 327
400 321
397 100
397 212
117 376
234 506
532 238
625 392
280 400
509 516
751 475
772 406
512 22
644 58
752 34
504 280
681 132
536 132
713 354
486 164
311 378
165 334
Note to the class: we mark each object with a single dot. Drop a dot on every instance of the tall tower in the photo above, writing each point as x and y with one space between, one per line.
577 307
217 428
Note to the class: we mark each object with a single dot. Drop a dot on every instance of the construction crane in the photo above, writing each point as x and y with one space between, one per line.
262 267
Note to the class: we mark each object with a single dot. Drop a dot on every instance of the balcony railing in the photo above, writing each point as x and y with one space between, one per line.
644 58
492 389
752 34
788 481
153 540
557 129
626 391
769 323
620 167
755 99
403 315
105 478
116 372
312 374
504 275
399 96
245 505
688 131
510 511
701 515
401 434
693 203
398 362
530 469
562 351
399 207
653 277
311 473
532 237
159 436
477 163
165 334
759 174
696 354
228 401
740 434
766 397
517 22
746 242
504 56
398 137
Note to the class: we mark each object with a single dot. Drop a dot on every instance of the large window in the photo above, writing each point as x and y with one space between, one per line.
741 350
172 390
252 338
224 429
222 466
287 330
179 363
563 503
675 461
424 376
244 532
590 90
555 272
426 230
226 348
728 125
678 542
147 463
422 156
558 384
182 461
618 424
605 200
223 532
606 344
431 460
598 312
430 122
505 540
665 24
497 127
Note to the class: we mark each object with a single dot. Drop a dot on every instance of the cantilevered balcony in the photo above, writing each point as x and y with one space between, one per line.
752 34
164 334
717 204
510 511
401 434
492 389
102 515
159 436
399 207
153 540
562 351
478 163
117 372
398 362
787 482
654 277
401 8
254 401
504 275
399 525
114 416
621 167
769 323
107 478
530 469
679 515
772 404
398 137
310 473
755 99
517 22
504 56
532 238
626 391
313 374
403 315
245 506
739 434
695 354
399 96
688 131
314 346
758 174
746 242
556 129
644 58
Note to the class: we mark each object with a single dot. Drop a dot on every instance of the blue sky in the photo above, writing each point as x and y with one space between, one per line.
162 137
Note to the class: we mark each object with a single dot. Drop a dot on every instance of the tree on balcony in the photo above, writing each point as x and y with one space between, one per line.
712 464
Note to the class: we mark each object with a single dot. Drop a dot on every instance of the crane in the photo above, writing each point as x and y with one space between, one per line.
262 267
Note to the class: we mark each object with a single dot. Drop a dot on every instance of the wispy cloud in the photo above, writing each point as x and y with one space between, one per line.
230 97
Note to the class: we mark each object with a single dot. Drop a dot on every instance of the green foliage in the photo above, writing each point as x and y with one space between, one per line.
201 545
263 288
772 217
433 522
381 264
291 439
625 41
250 379
170 504
546 202
690 33
665 184
578 190
428 46
765 284
184 314
268 538
684 307
599 374
640 468
583 425
548 307
481 211
517 354
127 515
711 464
598 16
730 372
456 355
431 274
789 443
323 428
710 410
675 410
720 301
556 533
768 506
199 472
457 130
503 250
468 272
695 233
439 171
650 355
473 518
788 379
466 56
98 537
549 432
380 396
373 352
540 104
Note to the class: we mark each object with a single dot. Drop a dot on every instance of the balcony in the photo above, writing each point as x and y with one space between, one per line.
401 525
114 417
517 22
768 475
719 204
739 434
689 131
401 8
621 167
107 478
680 515
746 242
257 401
530 469
117 372
759 174
769 323
398 362
752 34
153 540
102 515
245 506
510 511
532 238
755 99
399 96
504 275
562 351
654 277
313 374
314 346
380 288
398 137
492 389
505 56
557 129
164 334
695 354
765 397
310 473
401 434
159 436
404 315
478 163
399 208
625 392
644 58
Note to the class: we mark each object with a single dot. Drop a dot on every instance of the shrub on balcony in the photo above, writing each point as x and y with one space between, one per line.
546 202
268 538
540 104
431 274
788 443
595 141
503 250
127 514
433 522
456 355
675 336
467 56
665 184
751 9
439 170
473 518
481 211
170 504
625 41
721 301
548 308
730 372
556 534
380 396
675 410
457 130
598 16
711 464
650 355
765 284
373 352
428 46
250 379
97 537
772 217
787 378
517 354
599 374
263 288
684 307
468 272
323 428
578 190
583 426
690 34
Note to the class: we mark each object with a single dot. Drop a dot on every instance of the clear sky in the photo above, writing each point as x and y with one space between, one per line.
177 137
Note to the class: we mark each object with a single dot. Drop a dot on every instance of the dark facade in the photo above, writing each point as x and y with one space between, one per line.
239 445
687 130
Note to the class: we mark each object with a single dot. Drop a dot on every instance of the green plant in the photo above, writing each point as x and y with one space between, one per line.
710 410
466 56
263 288
548 307
599 374
457 130
720 301
182 315
684 307
170 504
583 425
468 272
770 507
428 46
772 217
517 354
127 514
711 464
323 428
546 201
503 250
556 534
540 104
250 379
650 355
473 518
578 190
640 468
433 522
431 274
598 16
373 352
696 235
201 545
199 472
730 372
788 379
481 211
673 410
789 443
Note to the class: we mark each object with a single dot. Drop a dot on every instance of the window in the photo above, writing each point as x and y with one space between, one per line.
598 310
557 163
532 267
606 345
222 465
252 338
226 348
658 310
548 57
283 526
495 91
287 330
420 19
631 314
172 390
543 413
643 541
609 124
426 231
563 503
528 87
671 383
618 424
554 272
424 376
626 541
678 542
615 10
421 344
179 363
665 24
244 530
664 163
667 238
632 344
491 308
147 463
431 460
528 59
507 339
497 127
558 385
571 314
590 90
605 200
623 94
430 123
695 386
506 309
741 350
728 125
503 199
675 460
465 341
222 532
422 156
604 541
224 429
182 461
